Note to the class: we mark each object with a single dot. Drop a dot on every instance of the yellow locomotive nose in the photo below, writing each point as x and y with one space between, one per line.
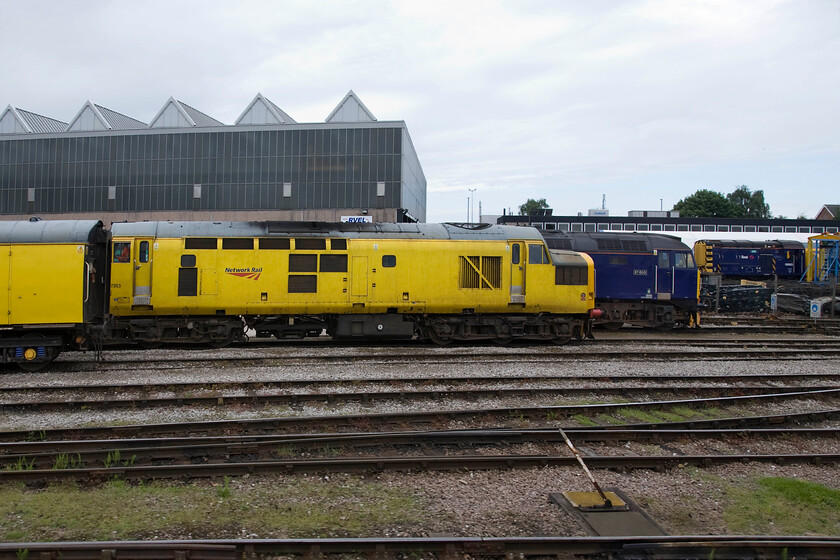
30 354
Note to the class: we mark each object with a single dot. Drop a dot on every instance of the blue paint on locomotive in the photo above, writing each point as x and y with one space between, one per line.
757 259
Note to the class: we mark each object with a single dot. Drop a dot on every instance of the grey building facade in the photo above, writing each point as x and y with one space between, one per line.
185 165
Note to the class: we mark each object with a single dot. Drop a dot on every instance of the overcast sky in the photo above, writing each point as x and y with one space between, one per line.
644 102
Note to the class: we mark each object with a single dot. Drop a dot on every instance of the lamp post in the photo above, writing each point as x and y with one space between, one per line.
471 213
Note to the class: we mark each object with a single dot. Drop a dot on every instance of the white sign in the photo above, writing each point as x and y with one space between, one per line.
816 309
357 219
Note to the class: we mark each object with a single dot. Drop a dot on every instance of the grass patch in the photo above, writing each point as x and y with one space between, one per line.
584 420
644 416
281 508
783 506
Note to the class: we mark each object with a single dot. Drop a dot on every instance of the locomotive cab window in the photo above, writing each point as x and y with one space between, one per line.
683 260
514 253
664 260
143 257
122 252
537 255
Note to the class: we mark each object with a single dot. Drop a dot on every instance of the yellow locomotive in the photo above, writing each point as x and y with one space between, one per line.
74 285
200 280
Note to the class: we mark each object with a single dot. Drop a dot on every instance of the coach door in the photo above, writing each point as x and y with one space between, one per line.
664 275
517 272
142 271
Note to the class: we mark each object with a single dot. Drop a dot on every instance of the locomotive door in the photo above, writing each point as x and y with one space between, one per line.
517 272
359 277
664 276
142 271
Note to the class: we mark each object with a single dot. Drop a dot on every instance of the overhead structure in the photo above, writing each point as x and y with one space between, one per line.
823 255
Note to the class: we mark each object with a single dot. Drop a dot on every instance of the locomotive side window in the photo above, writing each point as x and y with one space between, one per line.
514 253
570 275
144 252
303 284
333 263
664 261
187 282
200 243
188 261
389 261
338 244
122 252
618 261
681 260
237 243
275 243
310 244
303 263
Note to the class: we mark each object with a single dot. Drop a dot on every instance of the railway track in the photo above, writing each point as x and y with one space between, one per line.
742 547
403 395
388 420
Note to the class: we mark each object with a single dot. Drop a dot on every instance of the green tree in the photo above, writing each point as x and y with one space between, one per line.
751 203
707 204
531 204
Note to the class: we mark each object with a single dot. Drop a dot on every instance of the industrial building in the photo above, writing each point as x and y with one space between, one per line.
186 165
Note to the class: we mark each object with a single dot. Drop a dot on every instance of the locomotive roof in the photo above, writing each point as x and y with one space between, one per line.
325 229
744 244
613 242
51 231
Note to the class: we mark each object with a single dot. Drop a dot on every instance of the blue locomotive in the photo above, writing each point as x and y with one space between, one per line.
751 259
647 280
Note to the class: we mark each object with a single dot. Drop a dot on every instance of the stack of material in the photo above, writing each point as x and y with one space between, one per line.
737 298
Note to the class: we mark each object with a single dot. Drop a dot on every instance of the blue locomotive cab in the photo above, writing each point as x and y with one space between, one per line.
647 280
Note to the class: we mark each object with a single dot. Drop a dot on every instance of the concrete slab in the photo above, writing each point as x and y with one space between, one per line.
625 520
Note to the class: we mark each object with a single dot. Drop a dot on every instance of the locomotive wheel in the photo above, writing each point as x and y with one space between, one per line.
32 366
438 339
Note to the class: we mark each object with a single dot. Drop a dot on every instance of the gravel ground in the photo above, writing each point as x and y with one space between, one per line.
492 503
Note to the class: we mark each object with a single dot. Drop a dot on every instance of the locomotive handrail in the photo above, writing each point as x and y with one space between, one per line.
87 281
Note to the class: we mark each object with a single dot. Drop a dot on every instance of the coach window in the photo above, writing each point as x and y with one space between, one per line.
664 261
122 252
144 252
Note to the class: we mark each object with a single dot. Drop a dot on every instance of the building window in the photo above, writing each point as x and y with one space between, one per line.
629 227
380 188
671 227
778 229
287 190
723 228
577 227
643 227
615 227
817 229
196 192
790 229
804 229
696 227
682 227
763 229
655 227
737 228
749 229
550 225
708 227
563 227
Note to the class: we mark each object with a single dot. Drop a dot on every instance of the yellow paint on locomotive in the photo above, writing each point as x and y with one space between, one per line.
369 276
46 283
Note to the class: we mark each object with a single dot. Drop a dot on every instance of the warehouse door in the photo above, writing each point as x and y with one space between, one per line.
518 256
359 278
142 271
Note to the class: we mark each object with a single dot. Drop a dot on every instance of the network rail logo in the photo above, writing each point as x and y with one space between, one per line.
250 273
